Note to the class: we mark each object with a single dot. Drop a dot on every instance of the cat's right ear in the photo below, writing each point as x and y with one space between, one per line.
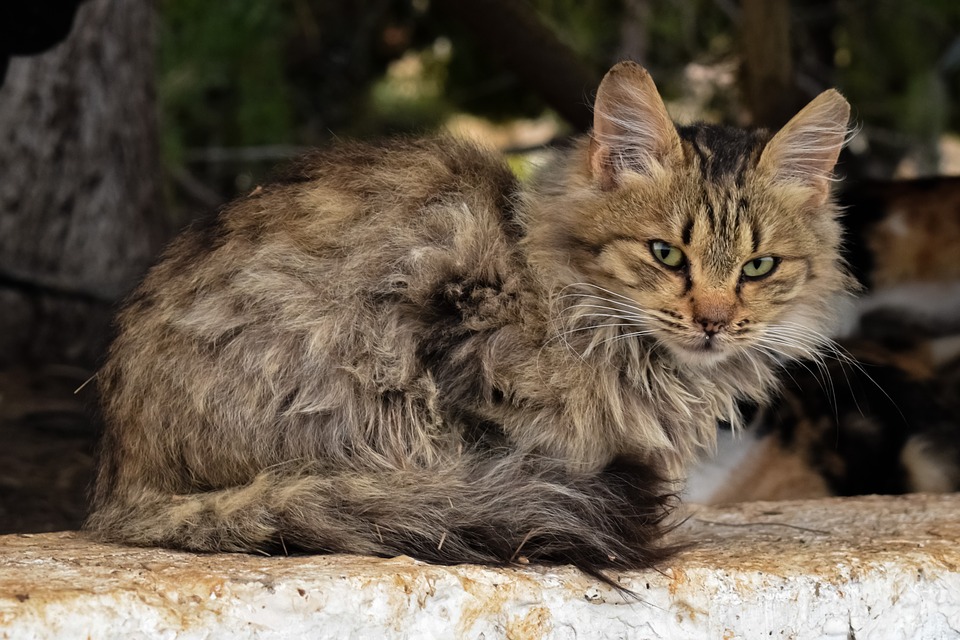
632 130
805 150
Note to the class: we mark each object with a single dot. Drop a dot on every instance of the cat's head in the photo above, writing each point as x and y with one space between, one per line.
710 240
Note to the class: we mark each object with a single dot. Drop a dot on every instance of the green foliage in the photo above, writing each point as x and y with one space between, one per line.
592 29
221 76
894 65
411 96
265 72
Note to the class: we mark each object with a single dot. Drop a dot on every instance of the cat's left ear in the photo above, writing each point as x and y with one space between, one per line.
805 151
632 130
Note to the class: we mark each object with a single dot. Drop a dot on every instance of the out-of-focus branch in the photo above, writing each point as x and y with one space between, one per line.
511 31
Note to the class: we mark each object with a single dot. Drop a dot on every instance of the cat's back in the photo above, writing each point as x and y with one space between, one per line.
351 217
353 188
404 174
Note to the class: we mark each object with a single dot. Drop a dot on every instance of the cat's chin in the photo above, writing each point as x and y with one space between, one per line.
703 354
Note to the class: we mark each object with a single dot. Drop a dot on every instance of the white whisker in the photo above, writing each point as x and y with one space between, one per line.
828 347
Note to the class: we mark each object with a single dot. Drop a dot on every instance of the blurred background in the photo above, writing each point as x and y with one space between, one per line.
123 120
242 86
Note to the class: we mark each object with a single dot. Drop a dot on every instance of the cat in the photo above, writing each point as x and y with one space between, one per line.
398 348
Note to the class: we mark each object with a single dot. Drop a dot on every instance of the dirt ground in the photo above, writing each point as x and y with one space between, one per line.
46 459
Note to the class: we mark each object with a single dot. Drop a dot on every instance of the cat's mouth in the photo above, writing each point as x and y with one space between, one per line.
701 350
707 344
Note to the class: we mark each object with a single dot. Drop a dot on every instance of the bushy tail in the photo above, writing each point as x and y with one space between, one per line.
491 512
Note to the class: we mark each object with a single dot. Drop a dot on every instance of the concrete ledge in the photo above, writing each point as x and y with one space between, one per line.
841 568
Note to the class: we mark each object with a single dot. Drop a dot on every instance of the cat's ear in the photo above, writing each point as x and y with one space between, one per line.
632 130
804 152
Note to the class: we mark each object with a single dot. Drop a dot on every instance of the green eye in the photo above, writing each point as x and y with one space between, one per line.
667 254
759 267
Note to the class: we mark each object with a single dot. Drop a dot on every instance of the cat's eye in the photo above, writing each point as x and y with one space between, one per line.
760 267
667 254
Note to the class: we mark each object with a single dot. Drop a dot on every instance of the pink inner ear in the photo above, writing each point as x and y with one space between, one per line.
601 165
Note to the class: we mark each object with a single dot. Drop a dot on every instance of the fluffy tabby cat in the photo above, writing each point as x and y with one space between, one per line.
399 349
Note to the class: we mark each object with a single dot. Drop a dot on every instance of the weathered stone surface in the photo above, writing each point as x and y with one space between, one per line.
840 568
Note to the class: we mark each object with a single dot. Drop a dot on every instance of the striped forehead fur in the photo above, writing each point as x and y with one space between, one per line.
723 152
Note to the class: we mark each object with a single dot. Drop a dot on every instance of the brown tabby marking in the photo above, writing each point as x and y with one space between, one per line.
400 349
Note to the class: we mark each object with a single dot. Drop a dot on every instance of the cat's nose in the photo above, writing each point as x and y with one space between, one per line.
713 311
711 326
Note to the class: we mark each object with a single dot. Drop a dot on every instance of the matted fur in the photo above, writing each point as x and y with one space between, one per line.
398 348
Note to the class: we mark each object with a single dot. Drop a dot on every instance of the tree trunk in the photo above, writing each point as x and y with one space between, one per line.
767 72
80 191
634 31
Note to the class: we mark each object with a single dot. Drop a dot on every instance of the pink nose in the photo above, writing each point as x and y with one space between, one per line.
711 326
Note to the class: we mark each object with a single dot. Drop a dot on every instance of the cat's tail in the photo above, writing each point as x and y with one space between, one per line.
491 511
